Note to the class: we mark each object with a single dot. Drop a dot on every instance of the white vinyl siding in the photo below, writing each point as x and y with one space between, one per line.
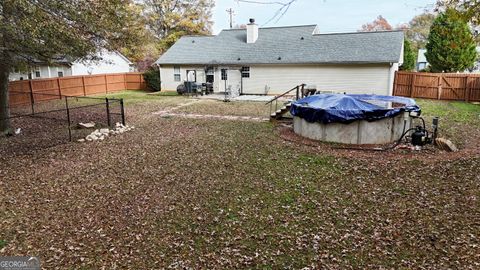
366 79
112 62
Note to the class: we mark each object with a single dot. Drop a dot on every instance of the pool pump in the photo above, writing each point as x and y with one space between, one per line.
421 137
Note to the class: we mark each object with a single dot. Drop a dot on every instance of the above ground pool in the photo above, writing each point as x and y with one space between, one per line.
353 119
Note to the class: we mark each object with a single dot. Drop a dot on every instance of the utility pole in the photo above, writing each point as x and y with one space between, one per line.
230 13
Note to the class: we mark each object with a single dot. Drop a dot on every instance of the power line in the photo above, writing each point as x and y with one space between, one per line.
281 11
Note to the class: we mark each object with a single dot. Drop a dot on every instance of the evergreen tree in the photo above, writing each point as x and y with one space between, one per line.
451 46
409 56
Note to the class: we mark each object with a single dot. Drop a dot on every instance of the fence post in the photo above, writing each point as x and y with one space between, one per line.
32 98
412 88
108 112
59 89
395 83
106 84
467 89
122 111
125 81
68 119
440 88
84 87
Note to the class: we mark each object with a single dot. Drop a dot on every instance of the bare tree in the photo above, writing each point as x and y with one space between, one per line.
379 24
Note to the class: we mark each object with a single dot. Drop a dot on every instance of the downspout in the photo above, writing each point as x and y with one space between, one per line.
391 78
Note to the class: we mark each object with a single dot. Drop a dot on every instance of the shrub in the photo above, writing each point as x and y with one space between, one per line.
152 78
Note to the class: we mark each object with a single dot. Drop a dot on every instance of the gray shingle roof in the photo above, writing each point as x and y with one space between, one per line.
286 45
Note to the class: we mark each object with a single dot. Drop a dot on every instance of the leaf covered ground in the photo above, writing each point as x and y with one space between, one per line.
200 194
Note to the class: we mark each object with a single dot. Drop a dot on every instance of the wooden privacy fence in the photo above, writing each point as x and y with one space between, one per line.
445 86
23 92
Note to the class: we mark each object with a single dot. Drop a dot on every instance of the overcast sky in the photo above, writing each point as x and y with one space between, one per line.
330 15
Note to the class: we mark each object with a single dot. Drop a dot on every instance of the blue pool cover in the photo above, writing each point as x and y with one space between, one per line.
340 108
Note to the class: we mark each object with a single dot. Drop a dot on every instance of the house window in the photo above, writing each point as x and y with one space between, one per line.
210 75
176 74
60 71
245 72
224 75
37 72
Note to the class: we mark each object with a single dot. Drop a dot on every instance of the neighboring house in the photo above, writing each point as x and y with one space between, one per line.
112 62
422 62
273 60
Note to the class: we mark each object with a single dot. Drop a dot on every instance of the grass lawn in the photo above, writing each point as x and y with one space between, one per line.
216 194
458 120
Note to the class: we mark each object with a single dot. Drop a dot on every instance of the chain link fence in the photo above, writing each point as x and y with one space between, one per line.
42 120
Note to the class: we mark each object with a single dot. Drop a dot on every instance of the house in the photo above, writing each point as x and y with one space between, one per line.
422 62
273 60
112 62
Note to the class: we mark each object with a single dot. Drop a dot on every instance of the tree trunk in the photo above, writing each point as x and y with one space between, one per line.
5 127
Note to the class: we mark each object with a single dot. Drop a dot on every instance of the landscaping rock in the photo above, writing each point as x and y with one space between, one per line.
86 125
104 130
446 145
103 133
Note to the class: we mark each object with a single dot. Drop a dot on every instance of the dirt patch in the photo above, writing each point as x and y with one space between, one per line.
210 116
238 108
